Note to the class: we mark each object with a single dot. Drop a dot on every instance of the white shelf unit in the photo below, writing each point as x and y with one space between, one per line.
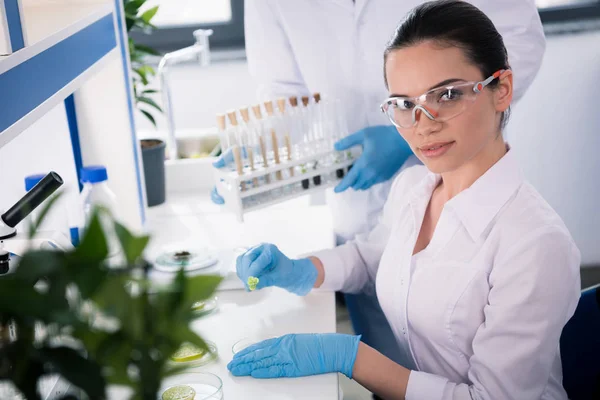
39 76
71 49
64 51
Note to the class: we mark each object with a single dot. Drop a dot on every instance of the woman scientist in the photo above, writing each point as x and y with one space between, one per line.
475 273
295 48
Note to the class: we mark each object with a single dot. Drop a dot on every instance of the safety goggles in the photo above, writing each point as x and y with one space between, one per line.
438 104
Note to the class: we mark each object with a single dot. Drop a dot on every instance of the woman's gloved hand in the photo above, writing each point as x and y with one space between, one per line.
267 263
384 152
297 355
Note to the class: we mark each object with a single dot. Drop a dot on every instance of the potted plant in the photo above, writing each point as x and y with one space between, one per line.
93 325
153 150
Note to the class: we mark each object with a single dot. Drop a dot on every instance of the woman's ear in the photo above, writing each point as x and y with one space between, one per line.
504 91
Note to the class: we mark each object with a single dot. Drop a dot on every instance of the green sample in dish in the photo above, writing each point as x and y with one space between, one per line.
188 352
181 392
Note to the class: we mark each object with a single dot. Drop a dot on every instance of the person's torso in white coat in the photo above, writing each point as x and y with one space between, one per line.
335 47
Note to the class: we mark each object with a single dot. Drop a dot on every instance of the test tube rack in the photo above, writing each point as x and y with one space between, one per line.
240 197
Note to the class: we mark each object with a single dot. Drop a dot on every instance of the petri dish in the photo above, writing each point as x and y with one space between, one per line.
206 386
206 358
248 341
190 260
204 307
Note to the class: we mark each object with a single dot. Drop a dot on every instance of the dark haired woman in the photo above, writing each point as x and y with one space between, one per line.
476 274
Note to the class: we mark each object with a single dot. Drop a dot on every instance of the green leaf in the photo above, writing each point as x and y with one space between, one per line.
200 287
90 338
93 246
182 333
142 74
134 324
149 116
132 6
149 101
37 264
148 70
38 306
112 297
133 246
114 352
129 23
26 370
71 365
149 14
174 294
149 91
43 213
87 274
147 50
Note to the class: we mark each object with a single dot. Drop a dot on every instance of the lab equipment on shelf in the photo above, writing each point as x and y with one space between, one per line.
281 153
14 244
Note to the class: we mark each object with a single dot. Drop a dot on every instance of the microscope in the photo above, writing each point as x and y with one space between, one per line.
14 244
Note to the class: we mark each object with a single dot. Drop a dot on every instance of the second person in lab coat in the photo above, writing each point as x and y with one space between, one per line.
295 48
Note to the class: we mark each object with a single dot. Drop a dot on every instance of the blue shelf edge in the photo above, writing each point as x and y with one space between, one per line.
37 80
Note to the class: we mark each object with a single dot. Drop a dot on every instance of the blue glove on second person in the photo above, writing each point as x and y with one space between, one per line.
292 356
224 159
272 268
384 152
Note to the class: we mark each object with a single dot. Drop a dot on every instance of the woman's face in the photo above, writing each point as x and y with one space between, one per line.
469 136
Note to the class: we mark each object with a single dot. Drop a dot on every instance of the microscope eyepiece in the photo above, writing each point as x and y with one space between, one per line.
32 199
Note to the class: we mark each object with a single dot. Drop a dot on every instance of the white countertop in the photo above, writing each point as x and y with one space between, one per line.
266 313
191 220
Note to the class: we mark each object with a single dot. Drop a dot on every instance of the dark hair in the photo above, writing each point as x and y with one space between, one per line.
454 23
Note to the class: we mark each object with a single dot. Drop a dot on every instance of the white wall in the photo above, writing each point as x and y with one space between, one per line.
198 94
104 131
555 131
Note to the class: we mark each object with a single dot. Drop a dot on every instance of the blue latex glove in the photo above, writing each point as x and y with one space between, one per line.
384 152
267 263
224 159
297 355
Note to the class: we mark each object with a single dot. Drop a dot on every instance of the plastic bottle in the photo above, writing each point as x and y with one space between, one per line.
96 192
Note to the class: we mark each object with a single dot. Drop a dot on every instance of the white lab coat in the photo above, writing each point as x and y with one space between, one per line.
478 312
335 47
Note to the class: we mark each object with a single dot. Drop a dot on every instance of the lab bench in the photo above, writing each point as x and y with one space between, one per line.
191 220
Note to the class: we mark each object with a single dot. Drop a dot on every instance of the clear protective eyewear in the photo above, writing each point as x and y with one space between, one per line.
438 104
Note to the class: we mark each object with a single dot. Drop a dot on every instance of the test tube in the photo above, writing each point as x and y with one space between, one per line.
295 115
274 142
221 129
250 140
261 139
318 117
340 130
307 126
224 138
286 125
311 135
237 153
